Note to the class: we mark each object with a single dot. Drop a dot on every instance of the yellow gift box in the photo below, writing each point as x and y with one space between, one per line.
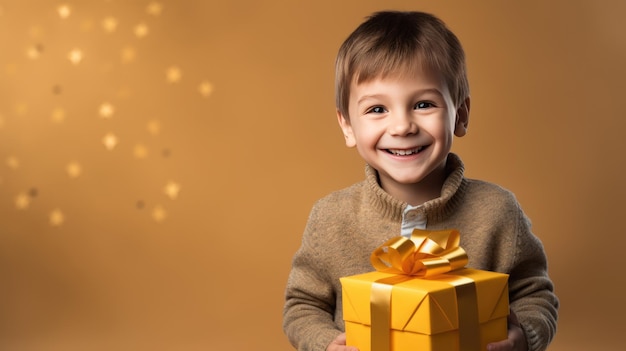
461 309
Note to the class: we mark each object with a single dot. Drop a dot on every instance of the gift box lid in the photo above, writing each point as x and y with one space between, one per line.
425 305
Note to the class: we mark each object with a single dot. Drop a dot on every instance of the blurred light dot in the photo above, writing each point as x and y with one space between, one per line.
173 74
154 8
158 213
22 201
58 115
154 127
205 88
64 11
172 189
34 52
13 162
128 55
75 56
56 218
110 141
106 110
141 30
73 169
109 24
140 151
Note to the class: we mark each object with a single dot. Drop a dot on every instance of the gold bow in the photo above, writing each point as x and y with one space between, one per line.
425 254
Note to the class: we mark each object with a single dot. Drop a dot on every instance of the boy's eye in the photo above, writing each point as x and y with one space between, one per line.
376 109
423 104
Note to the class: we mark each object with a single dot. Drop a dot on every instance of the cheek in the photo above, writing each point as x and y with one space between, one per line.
442 128
446 135
366 137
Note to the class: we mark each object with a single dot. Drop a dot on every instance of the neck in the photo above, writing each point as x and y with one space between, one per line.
416 194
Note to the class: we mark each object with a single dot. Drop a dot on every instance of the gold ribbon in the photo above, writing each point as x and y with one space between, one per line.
469 329
424 254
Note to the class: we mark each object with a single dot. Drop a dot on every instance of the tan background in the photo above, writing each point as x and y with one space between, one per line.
108 258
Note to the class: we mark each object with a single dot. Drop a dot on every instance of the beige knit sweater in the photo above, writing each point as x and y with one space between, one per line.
346 226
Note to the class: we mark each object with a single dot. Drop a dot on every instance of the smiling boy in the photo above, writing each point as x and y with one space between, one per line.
402 95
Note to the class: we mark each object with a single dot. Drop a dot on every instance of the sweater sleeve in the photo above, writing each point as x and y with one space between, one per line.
310 300
531 291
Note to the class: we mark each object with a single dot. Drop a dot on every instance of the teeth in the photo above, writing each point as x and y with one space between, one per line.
406 152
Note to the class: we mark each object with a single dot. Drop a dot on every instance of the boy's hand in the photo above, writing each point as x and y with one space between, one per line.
339 344
516 340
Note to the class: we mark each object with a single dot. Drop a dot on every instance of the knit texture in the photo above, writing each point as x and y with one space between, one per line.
346 226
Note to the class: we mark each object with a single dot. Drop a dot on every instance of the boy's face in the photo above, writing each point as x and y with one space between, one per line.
403 127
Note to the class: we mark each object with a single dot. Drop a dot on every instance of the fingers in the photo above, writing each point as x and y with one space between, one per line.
340 339
516 340
339 344
504 345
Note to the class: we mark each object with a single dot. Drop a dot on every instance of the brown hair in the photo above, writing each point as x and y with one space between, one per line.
392 42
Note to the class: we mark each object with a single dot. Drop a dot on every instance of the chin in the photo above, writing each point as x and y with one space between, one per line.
409 180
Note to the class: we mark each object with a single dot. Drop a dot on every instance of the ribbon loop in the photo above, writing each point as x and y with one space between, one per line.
424 254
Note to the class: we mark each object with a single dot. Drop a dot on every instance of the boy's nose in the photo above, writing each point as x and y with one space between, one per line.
402 124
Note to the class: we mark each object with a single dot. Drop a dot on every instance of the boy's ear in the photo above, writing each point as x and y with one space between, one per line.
346 128
462 118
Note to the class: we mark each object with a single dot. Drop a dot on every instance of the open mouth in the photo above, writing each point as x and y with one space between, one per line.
405 152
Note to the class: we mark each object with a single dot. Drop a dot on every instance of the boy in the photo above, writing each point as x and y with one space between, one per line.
402 95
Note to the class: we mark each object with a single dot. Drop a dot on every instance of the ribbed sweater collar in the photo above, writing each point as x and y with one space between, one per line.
436 209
